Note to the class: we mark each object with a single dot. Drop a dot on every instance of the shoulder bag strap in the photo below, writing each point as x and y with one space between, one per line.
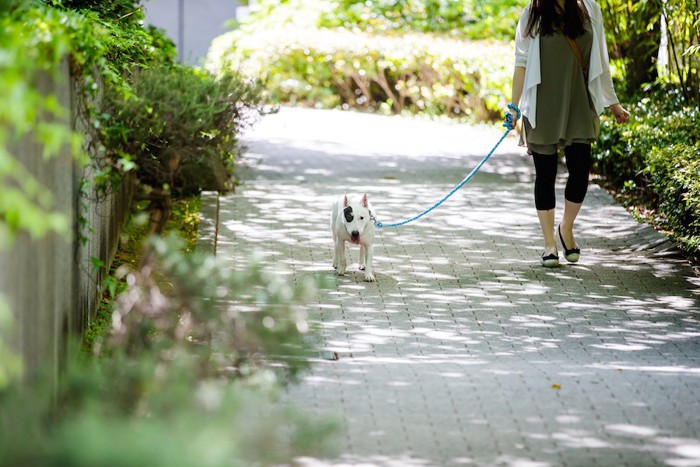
577 52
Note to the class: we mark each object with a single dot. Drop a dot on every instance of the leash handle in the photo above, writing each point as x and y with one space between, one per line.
508 117
509 124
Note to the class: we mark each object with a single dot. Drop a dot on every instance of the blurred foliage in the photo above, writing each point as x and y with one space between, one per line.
183 221
10 362
29 51
388 56
223 321
411 73
473 19
112 10
654 161
635 34
182 422
189 375
197 349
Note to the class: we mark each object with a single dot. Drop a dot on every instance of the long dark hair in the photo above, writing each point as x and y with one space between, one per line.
547 17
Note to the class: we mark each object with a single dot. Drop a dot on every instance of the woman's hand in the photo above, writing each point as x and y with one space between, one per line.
620 114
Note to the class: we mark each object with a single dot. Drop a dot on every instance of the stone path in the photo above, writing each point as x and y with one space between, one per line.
466 351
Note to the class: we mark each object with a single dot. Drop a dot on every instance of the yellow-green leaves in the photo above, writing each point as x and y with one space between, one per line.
10 362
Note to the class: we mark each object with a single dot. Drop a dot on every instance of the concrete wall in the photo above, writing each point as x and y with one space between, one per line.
191 24
36 276
48 282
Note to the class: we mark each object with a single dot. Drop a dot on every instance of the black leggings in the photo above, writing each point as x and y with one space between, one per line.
578 163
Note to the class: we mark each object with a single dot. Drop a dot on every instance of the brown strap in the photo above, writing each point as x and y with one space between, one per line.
574 47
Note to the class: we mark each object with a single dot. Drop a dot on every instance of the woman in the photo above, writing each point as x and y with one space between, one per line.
556 44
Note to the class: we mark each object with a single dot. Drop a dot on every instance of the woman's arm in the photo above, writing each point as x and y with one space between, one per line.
518 81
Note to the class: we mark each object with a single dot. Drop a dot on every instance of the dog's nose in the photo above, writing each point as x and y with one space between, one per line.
355 234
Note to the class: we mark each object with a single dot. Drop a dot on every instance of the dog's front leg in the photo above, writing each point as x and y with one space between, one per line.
369 253
340 257
335 251
363 252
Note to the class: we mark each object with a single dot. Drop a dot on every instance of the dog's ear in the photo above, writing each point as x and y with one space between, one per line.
364 200
345 201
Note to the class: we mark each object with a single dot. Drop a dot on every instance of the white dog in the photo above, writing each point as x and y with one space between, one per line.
353 221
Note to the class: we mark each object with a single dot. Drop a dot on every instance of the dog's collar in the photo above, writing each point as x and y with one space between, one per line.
373 218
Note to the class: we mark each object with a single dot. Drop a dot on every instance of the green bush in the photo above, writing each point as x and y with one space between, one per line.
223 321
411 73
113 10
189 376
384 16
175 124
473 19
674 173
654 160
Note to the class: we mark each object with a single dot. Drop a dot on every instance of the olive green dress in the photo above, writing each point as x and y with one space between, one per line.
565 114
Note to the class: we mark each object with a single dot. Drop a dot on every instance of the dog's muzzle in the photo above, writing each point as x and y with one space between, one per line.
355 236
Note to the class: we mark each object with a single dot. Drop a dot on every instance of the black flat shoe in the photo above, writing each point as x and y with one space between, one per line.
572 255
550 261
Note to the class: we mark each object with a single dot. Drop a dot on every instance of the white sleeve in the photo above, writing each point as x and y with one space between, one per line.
607 87
522 39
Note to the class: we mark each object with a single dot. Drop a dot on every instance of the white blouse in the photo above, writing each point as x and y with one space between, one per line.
527 54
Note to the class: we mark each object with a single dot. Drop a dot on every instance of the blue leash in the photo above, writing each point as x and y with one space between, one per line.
509 123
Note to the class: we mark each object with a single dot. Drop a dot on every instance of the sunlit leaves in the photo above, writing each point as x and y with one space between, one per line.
655 161
176 115
408 73
10 362
31 51
36 45
247 317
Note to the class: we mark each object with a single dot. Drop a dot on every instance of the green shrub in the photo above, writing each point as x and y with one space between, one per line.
412 73
174 120
674 173
114 10
473 19
179 421
384 16
261 323
176 128
189 375
654 160
658 120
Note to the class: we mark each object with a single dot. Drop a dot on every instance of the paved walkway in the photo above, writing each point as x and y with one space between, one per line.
466 351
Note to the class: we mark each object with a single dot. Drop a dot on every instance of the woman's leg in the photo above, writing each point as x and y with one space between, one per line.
578 163
545 197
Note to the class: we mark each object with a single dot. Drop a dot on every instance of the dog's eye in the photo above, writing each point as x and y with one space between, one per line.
362 218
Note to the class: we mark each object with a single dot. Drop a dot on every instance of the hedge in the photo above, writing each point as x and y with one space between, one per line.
410 73
655 160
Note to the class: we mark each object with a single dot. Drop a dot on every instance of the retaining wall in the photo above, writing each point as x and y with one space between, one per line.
49 283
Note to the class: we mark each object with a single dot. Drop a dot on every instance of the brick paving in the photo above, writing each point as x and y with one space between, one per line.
466 351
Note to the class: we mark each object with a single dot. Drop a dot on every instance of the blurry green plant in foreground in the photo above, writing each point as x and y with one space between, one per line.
188 376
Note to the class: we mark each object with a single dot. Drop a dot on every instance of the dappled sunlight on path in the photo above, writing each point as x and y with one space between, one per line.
465 351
